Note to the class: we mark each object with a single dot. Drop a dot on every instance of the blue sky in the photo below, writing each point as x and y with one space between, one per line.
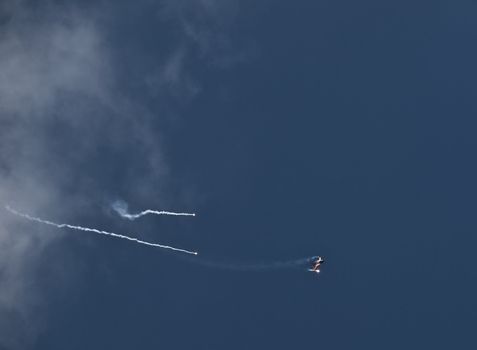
336 128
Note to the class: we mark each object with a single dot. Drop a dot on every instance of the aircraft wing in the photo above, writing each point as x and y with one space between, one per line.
316 266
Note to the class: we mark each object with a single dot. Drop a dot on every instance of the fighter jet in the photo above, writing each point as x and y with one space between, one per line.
316 263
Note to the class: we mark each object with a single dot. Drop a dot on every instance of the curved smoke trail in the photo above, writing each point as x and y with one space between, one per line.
121 207
80 228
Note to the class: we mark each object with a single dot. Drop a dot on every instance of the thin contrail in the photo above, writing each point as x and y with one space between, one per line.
121 207
276 265
80 228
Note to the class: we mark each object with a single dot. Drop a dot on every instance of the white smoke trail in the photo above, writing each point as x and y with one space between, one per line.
80 228
121 207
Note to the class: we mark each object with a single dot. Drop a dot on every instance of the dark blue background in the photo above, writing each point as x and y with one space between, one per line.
348 133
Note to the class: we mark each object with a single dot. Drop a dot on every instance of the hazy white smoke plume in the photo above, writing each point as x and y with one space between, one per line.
121 207
202 28
70 133
62 118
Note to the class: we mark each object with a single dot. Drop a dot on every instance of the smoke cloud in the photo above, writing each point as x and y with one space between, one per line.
69 124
